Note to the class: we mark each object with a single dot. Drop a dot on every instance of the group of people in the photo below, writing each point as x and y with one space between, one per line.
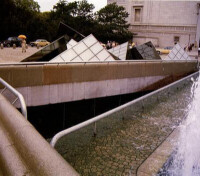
189 47
111 44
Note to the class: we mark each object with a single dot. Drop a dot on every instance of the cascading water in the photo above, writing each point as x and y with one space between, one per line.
186 161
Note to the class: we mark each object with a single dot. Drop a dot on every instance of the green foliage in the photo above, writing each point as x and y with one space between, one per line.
24 17
16 16
85 10
29 5
112 19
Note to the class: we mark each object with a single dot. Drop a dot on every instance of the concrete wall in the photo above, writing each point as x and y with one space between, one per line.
162 39
175 13
55 83
161 19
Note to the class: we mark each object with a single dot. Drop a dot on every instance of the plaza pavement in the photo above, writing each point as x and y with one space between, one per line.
8 55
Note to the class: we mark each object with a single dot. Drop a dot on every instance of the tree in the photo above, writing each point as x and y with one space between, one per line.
64 9
84 17
16 15
78 14
29 5
24 17
112 19
85 10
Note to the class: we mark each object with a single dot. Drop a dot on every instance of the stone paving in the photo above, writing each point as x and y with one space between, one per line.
122 144
15 55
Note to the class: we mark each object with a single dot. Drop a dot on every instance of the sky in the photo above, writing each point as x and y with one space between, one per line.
47 5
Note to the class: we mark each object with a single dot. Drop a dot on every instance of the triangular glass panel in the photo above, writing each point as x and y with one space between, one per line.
71 43
57 59
68 55
177 53
94 59
145 51
77 59
118 50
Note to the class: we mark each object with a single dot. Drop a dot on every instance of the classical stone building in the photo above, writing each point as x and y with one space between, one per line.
163 22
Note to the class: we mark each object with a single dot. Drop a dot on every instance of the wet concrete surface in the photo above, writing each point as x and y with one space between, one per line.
125 139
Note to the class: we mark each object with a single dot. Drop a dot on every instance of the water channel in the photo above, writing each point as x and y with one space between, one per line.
126 138
186 159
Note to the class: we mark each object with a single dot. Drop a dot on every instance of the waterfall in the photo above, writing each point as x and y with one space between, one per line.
186 161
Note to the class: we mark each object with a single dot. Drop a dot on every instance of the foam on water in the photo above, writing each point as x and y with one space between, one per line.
186 161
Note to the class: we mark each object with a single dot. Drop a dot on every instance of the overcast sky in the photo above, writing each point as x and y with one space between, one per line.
47 5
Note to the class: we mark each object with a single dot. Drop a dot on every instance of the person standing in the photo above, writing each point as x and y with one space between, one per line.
108 45
113 44
23 45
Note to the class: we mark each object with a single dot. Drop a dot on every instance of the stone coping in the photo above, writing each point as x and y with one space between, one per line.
39 75
152 165
23 151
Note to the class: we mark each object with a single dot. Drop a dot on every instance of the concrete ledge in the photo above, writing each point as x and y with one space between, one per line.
154 69
37 71
134 69
10 161
158 158
23 151
56 83
5 73
28 75
50 73
99 72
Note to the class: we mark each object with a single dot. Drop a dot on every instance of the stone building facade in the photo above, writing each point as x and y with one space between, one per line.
164 22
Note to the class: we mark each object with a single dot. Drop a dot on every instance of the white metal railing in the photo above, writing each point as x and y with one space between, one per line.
17 94
99 117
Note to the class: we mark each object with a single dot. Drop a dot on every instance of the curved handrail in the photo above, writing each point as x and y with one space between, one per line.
18 95
101 116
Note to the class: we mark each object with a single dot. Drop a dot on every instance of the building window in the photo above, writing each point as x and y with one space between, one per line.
176 39
137 13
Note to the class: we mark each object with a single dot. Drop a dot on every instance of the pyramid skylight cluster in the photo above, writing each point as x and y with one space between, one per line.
87 50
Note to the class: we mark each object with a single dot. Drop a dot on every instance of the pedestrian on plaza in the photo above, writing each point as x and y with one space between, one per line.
190 47
23 45
133 44
113 44
185 48
108 45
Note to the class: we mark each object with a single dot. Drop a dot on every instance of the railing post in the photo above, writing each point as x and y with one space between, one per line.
123 114
95 129
17 94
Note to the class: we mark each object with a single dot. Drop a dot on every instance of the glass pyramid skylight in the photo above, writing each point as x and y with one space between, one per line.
177 53
145 51
87 50
120 51
71 43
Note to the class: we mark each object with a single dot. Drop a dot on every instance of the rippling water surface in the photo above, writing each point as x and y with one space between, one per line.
186 161
126 138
